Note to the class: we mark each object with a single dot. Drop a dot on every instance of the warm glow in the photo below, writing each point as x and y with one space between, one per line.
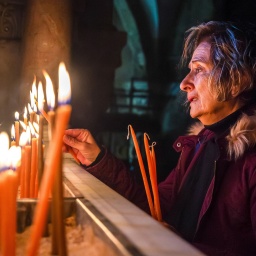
64 93
23 139
14 157
40 97
4 142
34 91
32 129
24 126
50 96
25 115
4 147
28 133
13 132
29 109
17 116
35 108
32 99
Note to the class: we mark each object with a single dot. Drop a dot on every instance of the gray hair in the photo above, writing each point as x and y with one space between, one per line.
233 54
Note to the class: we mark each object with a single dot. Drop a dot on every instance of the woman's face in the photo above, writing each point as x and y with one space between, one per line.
203 103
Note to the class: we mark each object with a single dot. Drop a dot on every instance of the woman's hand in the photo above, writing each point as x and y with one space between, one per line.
83 144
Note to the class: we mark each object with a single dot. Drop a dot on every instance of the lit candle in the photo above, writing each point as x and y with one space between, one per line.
23 125
17 127
142 169
34 161
33 95
4 146
51 114
36 127
3 214
27 164
53 161
31 112
37 114
153 178
33 89
40 101
15 162
10 207
57 193
23 142
41 129
8 191
14 157
25 116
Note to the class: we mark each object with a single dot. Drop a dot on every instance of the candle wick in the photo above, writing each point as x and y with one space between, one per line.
128 135
153 144
147 136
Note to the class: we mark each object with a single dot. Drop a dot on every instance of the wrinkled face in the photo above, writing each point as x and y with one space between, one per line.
203 103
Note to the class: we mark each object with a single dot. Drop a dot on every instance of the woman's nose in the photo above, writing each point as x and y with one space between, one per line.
187 84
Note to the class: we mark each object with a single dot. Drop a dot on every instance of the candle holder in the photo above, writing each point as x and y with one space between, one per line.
26 207
99 231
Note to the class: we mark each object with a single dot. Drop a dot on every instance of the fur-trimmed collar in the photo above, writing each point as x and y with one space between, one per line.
242 135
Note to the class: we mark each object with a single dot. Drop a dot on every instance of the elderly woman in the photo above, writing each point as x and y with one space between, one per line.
210 196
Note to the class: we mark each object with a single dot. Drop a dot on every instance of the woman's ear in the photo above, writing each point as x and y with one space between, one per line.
235 90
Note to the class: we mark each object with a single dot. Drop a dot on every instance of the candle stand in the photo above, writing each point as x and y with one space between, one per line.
118 222
122 226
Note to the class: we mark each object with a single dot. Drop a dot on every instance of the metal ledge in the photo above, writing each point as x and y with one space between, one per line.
129 230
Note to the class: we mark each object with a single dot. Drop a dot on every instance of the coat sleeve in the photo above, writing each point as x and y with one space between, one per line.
114 173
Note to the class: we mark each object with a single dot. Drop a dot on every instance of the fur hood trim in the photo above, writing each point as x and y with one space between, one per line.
242 135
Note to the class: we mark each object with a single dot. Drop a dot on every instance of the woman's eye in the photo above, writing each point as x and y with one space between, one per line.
197 70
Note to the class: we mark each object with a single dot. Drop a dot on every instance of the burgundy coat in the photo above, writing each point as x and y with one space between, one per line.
227 221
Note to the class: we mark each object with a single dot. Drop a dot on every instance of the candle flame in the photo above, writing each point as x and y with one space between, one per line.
64 93
35 108
34 91
4 147
17 116
40 96
29 109
49 91
4 142
25 115
23 139
28 133
14 157
32 99
24 126
32 129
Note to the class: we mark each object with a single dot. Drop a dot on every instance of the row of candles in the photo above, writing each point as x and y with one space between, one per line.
22 165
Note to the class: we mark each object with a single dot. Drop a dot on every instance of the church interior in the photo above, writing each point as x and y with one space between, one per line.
123 56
